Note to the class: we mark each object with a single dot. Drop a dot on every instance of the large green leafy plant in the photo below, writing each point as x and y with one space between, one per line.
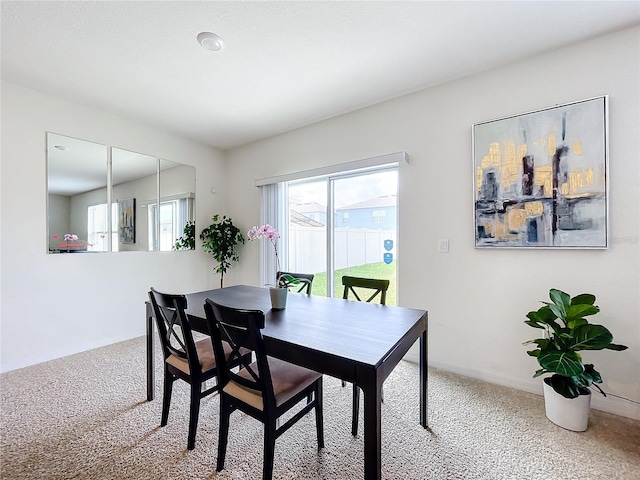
221 240
568 332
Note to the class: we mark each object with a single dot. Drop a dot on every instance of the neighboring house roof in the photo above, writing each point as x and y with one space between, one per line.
309 207
384 201
300 219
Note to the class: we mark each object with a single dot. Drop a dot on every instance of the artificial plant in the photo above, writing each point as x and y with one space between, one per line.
567 332
221 240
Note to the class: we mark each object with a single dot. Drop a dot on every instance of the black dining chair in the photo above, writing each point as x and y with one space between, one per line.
306 279
264 389
184 358
369 289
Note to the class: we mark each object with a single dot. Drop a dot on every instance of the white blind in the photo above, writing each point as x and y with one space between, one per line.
274 212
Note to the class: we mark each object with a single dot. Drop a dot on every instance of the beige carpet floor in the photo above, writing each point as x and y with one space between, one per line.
86 417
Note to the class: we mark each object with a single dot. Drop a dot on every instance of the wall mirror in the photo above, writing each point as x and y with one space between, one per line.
152 200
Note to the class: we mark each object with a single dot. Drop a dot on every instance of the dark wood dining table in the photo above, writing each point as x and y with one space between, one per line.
355 341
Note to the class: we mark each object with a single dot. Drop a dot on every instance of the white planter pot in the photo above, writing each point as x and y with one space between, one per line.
278 297
569 413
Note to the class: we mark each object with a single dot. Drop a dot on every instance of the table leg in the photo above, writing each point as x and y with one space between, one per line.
372 430
424 421
151 390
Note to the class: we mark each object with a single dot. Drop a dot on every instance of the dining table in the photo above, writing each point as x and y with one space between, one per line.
354 341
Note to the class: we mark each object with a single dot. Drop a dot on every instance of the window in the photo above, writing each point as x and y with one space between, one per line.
327 247
174 215
345 218
98 228
378 216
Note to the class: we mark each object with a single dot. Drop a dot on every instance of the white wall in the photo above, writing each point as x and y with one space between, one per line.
55 305
477 299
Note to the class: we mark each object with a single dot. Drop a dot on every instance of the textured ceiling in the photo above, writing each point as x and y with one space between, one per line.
284 64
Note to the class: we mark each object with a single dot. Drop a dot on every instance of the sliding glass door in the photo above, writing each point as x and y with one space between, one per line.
307 231
344 225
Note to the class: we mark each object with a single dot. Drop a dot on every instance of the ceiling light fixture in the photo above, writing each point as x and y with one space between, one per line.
210 41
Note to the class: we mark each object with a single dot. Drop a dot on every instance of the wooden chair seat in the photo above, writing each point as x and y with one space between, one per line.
288 380
206 358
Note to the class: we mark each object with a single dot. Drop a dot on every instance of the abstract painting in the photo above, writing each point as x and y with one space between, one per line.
540 178
127 220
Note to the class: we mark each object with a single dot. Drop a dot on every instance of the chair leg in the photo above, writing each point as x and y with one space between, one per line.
356 410
343 383
166 397
319 414
223 433
269 448
194 411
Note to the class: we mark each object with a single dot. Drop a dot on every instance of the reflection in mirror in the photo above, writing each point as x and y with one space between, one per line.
133 176
177 206
77 195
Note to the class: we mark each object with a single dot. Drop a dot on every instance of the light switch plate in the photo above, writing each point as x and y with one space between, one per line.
443 245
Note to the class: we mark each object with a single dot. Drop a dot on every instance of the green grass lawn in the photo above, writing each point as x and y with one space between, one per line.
370 270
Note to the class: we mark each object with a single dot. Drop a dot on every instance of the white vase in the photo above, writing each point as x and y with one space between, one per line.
569 413
278 297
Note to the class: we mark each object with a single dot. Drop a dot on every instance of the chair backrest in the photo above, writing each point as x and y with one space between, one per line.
365 286
173 327
306 279
240 328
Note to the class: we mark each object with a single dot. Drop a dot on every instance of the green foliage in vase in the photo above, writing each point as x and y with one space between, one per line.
221 240
567 332
188 239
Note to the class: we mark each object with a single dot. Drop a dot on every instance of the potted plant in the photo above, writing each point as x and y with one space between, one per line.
188 239
567 332
280 290
221 239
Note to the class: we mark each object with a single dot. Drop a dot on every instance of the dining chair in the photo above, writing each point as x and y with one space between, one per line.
264 389
369 289
184 358
306 279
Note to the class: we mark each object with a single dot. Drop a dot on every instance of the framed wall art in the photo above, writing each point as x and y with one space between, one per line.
540 178
127 220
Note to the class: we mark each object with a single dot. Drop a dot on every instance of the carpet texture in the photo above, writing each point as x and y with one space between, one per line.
86 417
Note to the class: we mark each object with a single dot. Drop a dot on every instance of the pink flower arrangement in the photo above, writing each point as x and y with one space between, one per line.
70 241
271 234
268 232
265 231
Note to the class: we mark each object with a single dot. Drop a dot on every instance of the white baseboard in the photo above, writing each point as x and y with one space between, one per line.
608 404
